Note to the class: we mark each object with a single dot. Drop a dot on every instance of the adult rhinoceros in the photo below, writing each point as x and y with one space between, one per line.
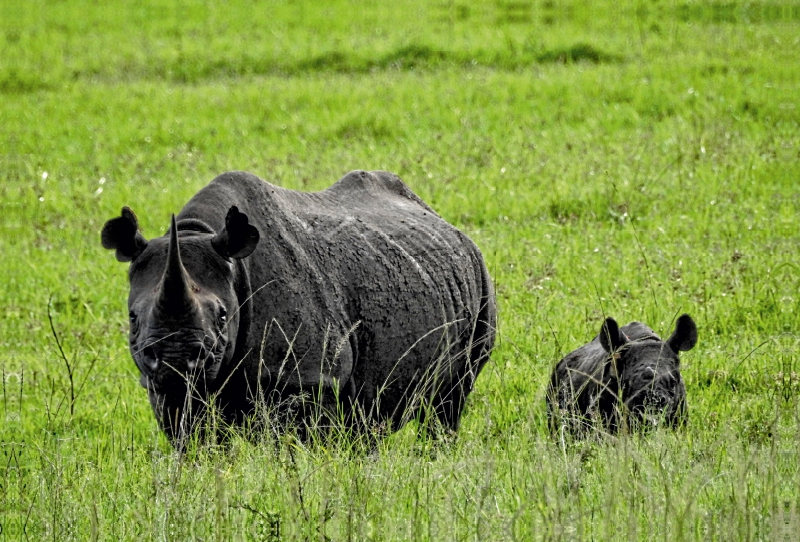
359 298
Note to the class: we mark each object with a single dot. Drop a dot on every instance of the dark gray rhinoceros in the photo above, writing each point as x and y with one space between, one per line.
359 298
624 373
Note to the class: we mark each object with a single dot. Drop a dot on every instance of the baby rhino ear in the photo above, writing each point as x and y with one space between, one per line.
122 234
610 337
685 335
238 239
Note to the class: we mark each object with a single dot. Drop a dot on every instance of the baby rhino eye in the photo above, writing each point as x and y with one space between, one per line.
134 321
222 318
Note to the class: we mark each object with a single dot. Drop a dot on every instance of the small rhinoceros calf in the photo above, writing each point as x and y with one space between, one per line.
625 375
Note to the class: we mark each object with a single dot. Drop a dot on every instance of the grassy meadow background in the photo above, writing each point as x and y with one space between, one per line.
636 158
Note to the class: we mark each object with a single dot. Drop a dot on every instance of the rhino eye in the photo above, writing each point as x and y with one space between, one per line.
134 320
223 316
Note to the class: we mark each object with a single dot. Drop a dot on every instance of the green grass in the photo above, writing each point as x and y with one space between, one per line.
635 159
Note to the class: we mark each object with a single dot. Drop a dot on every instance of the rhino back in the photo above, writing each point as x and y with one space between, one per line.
577 377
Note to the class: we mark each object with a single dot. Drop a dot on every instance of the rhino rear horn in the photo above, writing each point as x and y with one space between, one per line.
176 293
610 337
122 234
685 335
238 238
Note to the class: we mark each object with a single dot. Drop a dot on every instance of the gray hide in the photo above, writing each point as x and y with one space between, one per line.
358 297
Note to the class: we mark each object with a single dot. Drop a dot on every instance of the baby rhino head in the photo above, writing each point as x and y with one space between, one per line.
646 369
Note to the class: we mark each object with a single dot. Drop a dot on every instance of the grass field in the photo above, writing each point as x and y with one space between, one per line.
636 159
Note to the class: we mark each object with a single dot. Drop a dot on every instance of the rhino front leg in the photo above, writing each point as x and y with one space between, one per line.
177 415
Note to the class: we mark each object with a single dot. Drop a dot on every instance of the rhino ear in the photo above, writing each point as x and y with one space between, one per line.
685 335
238 238
122 234
610 337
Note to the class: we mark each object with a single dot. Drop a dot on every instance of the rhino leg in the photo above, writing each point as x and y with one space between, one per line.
178 415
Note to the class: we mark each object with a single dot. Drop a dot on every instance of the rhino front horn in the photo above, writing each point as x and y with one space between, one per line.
175 296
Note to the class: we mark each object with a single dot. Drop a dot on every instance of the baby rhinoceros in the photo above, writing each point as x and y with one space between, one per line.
625 376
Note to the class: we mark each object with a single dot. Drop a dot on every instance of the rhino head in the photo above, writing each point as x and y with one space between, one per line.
645 371
183 305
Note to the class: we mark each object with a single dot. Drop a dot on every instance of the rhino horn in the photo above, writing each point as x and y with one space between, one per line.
176 296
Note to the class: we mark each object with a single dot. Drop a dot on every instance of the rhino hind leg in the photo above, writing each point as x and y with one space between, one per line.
439 416
450 402
448 410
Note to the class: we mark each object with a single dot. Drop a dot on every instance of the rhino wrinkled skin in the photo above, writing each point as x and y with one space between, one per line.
359 297
624 374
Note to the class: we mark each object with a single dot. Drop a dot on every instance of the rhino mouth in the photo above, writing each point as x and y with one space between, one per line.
654 410
167 365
